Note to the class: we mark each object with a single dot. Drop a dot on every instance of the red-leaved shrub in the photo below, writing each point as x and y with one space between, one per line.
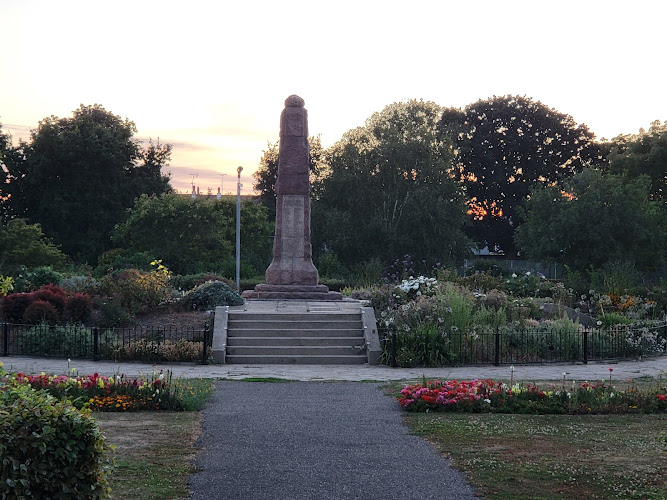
41 310
14 305
52 294
78 307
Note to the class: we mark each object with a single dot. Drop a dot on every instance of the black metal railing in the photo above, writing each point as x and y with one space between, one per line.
513 345
130 343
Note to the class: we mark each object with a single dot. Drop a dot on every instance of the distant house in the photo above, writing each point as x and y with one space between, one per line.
196 194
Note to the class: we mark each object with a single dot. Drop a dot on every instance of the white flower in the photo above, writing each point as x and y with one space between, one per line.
487 401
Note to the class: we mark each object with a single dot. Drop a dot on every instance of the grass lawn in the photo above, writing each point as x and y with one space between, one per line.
153 454
553 456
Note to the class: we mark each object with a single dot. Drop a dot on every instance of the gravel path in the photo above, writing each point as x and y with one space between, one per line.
315 440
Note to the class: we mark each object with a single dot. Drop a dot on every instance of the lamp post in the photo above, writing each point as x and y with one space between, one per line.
238 230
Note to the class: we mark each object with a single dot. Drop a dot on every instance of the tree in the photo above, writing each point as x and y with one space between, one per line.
597 219
192 236
504 147
267 172
388 191
644 153
78 176
23 244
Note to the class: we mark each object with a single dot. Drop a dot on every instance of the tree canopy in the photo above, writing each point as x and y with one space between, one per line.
23 244
77 176
267 172
504 147
192 236
644 153
597 219
388 191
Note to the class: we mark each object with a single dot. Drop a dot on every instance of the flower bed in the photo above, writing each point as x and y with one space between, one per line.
479 396
157 391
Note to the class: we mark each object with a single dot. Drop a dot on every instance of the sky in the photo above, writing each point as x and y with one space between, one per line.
211 77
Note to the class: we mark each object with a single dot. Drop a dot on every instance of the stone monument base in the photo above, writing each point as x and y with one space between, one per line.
294 292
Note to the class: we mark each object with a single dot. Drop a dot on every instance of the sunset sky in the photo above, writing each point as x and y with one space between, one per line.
211 77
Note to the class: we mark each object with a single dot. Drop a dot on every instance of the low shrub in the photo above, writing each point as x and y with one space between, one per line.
52 294
14 306
41 311
78 307
210 295
138 291
35 278
49 448
71 341
166 350
79 284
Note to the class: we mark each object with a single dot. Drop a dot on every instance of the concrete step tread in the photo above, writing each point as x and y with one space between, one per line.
296 359
267 333
295 341
295 351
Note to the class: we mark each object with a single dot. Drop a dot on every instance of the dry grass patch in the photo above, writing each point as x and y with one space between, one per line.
153 454
553 456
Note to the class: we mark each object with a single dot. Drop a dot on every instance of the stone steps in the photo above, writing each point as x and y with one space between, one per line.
295 338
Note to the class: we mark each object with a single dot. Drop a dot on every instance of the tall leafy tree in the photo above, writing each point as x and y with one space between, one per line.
23 244
388 191
644 153
267 172
504 147
193 236
77 177
597 219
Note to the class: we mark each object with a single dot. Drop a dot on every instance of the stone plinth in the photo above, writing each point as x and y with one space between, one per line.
291 274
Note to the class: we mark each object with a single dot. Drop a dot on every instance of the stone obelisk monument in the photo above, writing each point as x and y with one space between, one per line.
292 274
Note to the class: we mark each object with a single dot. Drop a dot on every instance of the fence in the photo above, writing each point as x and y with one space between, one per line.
512 345
135 343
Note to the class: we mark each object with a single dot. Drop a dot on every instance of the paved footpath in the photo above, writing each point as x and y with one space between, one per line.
317 440
593 371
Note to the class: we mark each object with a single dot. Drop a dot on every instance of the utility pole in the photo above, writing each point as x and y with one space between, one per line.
238 230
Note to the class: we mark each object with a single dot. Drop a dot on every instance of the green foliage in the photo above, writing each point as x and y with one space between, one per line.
28 280
640 154
606 218
504 146
390 181
211 294
24 245
138 291
194 236
93 169
267 172
423 346
49 448
189 281
73 341
118 259
6 285
79 284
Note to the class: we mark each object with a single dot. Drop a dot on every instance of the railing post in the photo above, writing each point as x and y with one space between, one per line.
96 339
204 351
5 339
586 346
496 354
